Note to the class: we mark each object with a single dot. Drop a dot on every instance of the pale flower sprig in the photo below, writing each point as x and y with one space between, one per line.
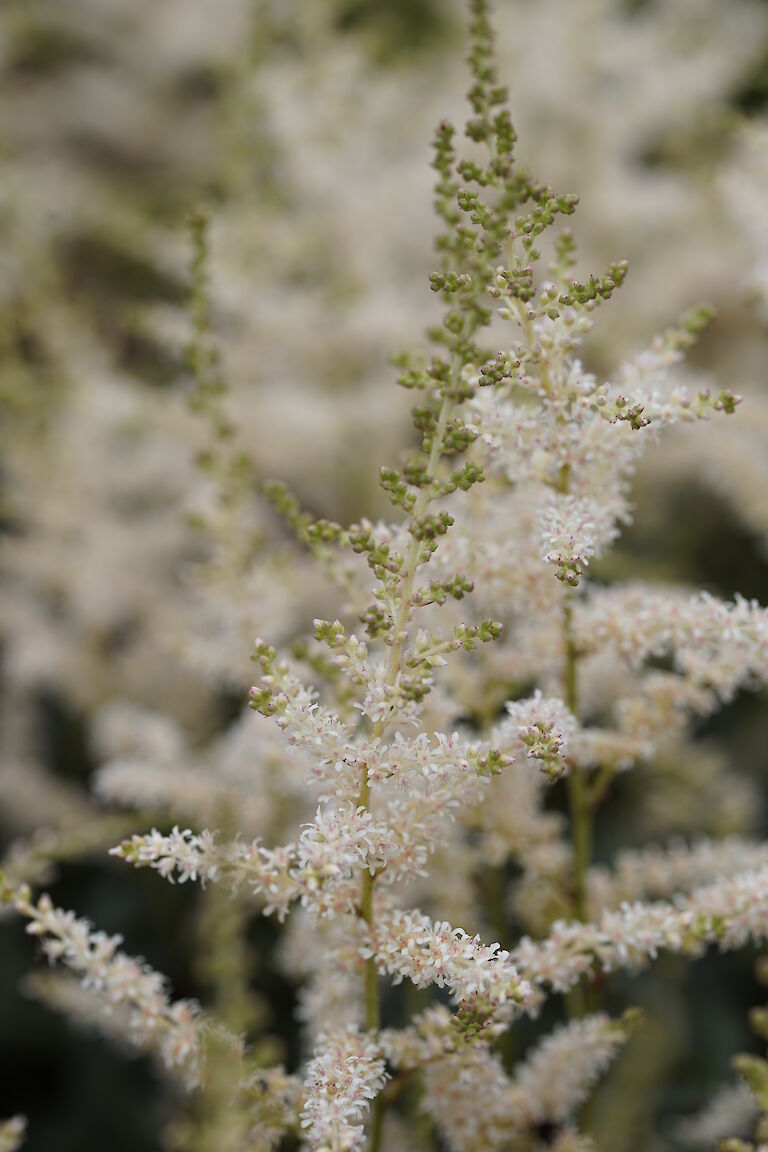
344 1076
174 1028
421 790
12 1133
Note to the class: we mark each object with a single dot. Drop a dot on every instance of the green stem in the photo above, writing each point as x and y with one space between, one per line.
371 975
581 823
372 1011
377 1123
371 979
581 831
578 1001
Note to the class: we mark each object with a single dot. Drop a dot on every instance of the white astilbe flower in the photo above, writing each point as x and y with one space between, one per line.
695 788
424 782
321 869
87 1009
409 944
247 770
728 912
491 543
383 699
275 1099
189 856
434 758
310 727
33 797
539 728
658 872
556 450
324 957
739 184
604 748
188 791
128 731
660 707
467 1096
731 1111
12 1133
181 854
715 644
511 822
172 1028
473 1102
430 1036
557 1076
340 842
344 1076
657 394
135 782
573 530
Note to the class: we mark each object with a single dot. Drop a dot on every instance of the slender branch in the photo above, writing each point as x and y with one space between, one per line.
581 819
402 617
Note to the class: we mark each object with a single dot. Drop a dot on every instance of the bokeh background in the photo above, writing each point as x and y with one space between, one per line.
305 127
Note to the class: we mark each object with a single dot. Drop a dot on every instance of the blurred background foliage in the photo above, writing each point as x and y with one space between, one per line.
306 128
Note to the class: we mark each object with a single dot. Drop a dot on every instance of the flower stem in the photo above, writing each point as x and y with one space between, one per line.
580 809
372 1011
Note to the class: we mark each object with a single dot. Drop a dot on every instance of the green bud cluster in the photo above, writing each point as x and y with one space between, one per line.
313 533
468 635
330 633
462 478
493 763
229 470
597 288
689 327
202 354
725 401
619 409
485 201
398 490
377 621
504 367
458 437
381 559
754 1069
548 205
448 282
264 698
570 572
515 283
284 501
431 526
438 591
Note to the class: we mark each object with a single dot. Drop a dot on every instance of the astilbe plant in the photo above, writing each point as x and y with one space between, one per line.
486 671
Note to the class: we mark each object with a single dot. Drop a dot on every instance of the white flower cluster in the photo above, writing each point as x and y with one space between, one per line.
732 1111
408 944
343 1077
572 533
544 727
658 872
715 644
729 912
475 1104
556 1077
416 774
172 1028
